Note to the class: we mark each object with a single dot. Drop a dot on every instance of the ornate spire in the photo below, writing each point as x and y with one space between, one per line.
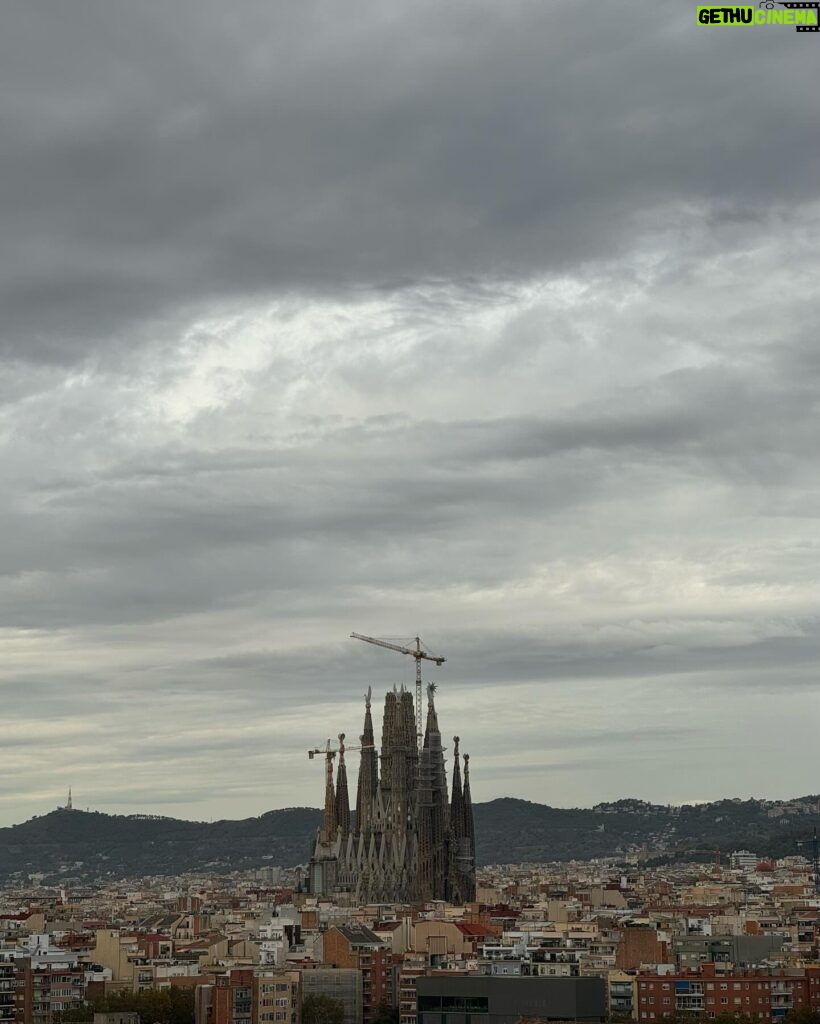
432 717
457 800
329 822
368 771
469 829
342 810
434 810
388 740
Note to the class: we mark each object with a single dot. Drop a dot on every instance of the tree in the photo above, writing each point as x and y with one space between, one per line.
163 1006
322 1010
386 1014
803 1016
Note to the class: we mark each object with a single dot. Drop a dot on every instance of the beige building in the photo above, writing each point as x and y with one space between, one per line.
440 938
116 950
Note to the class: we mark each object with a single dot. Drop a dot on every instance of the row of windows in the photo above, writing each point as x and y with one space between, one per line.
711 1014
724 985
709 999
278 987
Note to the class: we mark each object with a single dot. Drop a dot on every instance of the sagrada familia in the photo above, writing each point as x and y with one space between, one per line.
408 842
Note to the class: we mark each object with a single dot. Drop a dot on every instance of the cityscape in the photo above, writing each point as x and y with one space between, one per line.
733 937
389 917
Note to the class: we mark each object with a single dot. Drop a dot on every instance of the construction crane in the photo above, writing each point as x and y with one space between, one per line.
417 653
331 752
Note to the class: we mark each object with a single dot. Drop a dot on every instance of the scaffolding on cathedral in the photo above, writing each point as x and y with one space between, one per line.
408 841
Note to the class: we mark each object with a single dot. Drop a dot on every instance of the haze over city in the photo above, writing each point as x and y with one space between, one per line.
492 323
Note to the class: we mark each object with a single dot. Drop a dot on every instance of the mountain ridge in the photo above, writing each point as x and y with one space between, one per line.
92 844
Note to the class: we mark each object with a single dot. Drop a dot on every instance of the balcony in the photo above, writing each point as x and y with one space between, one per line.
689 1004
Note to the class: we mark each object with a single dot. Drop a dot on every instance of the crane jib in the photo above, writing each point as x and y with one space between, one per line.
419 655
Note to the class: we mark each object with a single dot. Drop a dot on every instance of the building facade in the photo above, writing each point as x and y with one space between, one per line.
341 984
408 840
447 998
250 996
46 990
768 995
357 947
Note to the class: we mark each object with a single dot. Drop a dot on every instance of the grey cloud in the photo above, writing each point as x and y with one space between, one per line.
491 322
289 149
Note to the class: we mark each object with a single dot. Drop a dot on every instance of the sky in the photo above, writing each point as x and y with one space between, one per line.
493 323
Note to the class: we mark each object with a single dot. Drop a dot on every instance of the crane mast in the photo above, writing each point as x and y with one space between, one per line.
419 655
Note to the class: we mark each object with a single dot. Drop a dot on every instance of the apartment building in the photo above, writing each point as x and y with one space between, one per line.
768 995
47 988
250 996
358 947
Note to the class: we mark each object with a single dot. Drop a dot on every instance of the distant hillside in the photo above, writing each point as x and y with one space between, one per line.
509 830
85 845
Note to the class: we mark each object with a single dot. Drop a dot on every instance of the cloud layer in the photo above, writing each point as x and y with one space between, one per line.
494 323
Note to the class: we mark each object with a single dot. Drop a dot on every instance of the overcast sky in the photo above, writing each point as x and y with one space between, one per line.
492 322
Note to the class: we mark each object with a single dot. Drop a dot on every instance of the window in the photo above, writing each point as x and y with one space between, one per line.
724 1000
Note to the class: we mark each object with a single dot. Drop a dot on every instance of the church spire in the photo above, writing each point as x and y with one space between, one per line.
457 799
469 833
329 821
342 808
434 810
368 771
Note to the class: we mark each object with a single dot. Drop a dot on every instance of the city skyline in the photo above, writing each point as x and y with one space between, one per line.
491 324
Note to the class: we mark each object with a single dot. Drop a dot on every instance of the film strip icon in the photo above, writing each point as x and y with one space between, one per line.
813 5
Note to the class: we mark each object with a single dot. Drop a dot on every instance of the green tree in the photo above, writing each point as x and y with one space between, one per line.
155 1006
386 1014
322 1010
803 1016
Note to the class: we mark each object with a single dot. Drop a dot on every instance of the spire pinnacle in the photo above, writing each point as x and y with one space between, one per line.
341 810
329 822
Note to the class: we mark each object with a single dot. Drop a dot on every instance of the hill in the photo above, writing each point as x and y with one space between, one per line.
89 845
517 830
85 845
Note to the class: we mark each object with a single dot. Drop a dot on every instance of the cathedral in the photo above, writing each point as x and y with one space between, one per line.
407 842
